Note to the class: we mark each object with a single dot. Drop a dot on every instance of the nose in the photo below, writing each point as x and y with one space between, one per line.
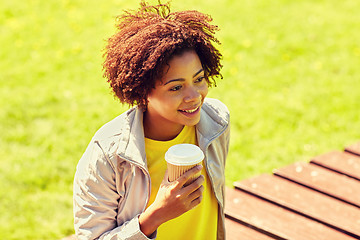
192 94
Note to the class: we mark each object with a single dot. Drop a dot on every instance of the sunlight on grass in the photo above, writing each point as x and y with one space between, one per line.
290 82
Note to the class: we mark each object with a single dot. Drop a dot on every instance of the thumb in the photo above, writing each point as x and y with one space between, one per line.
166 178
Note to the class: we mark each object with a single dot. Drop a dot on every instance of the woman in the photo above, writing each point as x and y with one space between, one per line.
163 63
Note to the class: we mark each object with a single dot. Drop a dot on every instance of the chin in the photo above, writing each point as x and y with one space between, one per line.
192 123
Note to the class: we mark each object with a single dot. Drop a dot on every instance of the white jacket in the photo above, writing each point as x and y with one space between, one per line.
112 183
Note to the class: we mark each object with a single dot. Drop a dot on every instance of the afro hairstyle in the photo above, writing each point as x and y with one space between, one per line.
145 41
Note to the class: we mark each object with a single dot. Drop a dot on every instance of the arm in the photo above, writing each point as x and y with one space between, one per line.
96 200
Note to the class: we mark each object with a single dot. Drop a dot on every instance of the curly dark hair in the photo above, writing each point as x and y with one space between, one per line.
147 39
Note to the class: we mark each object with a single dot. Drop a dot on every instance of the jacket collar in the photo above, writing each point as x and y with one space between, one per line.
132 143
213 121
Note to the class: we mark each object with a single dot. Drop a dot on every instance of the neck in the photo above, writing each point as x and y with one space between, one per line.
155 130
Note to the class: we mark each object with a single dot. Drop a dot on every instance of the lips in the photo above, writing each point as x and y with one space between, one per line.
190 111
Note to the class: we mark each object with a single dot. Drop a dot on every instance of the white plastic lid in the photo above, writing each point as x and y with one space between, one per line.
184 154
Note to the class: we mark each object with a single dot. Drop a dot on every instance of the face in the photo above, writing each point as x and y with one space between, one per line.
178 96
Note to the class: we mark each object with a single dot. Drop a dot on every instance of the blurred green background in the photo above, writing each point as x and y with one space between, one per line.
291 81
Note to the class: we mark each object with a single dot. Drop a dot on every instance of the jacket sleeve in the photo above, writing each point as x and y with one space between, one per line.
95 200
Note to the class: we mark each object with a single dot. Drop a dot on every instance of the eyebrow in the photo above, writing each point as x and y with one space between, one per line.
182 79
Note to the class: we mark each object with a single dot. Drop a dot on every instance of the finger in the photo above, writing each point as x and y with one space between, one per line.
197 193
166 178
194 185
187 175
196 202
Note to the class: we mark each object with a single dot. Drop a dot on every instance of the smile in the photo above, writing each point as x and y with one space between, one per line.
190 110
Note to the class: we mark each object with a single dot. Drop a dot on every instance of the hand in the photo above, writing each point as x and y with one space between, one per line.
172 200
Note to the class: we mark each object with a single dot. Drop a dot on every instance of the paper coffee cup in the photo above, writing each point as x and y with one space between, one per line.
181 158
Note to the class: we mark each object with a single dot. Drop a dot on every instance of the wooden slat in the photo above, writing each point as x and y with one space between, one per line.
307 202
276 220
342 162
354 149
328 182
235 230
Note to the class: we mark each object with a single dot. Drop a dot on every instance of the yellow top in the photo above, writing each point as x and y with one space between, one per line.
198 223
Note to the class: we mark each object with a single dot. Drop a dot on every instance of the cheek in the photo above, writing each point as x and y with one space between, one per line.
166 103
204 90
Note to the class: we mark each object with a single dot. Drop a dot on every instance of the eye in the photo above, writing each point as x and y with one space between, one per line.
200 79
176 88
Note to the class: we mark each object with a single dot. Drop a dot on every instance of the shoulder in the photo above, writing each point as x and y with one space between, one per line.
116 126
106 140
114 134
217 110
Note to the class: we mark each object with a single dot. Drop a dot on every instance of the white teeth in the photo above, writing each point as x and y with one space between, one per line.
190 111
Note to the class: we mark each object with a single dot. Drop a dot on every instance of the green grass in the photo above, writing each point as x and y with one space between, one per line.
290 81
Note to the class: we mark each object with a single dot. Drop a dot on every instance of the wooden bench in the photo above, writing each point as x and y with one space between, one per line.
303 201
315 200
